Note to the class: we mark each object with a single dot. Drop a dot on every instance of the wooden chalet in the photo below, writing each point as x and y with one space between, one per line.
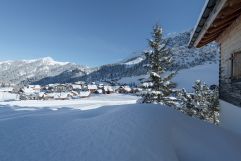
220 21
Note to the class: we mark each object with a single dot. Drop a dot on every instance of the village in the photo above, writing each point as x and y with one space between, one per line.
66 91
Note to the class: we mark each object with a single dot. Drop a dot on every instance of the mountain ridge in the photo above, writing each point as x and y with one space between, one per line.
65 72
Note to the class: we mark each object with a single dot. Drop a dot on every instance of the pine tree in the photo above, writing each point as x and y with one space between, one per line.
207 101
187 103
158 88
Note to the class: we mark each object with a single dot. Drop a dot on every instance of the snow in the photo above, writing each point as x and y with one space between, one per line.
92 87
230 116
76 86
47 60
28 91
207 73
108 88
6 89
114 133
135 61
92 102
6 96
127 88
84 93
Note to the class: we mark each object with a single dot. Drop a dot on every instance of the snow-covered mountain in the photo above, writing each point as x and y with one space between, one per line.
46 70
28 71
134 66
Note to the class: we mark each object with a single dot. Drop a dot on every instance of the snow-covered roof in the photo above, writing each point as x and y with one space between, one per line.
28 90
57 95
92 86
76 86
108 88
126 88
35 86
100 91
41 94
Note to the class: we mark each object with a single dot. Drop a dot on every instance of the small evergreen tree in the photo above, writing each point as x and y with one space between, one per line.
203 103
187 103
158 88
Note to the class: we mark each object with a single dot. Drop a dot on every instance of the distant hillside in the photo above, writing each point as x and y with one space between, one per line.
46 70
133 66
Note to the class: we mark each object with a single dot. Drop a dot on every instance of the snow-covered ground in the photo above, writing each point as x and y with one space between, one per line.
113 128
94 101
230 116
114 133
6 96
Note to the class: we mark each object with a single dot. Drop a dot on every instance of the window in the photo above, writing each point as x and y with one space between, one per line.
236 66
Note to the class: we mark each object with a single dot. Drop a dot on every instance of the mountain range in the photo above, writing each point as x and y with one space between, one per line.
46 70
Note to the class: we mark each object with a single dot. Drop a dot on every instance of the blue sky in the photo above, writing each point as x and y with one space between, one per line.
88 32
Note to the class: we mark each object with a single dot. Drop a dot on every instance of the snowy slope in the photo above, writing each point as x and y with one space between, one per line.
117 133
135 60
185 78
207 73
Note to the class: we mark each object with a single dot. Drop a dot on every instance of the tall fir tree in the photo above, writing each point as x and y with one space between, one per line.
158 87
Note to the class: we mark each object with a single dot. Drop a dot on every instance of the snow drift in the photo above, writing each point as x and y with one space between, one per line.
117 133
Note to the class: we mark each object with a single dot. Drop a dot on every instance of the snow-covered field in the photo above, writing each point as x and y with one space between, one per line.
94 101
114 133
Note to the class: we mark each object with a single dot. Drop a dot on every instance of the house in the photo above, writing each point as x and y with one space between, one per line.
27 90
76 87
36 88
108 89
92 88
220 21
62 96
124 89
99 91
62 88
47 96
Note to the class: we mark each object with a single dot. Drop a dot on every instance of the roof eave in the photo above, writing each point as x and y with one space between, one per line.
210 11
